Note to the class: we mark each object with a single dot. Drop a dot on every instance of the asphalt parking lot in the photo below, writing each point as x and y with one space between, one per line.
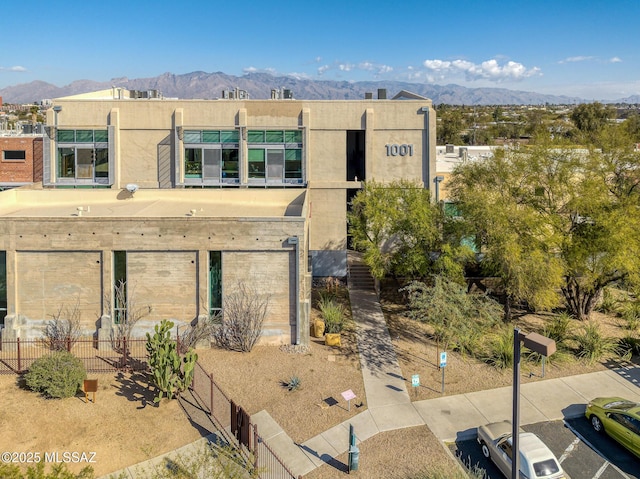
583 453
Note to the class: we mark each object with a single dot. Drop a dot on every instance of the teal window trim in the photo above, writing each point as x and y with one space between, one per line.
215 282
82 156
210 136
119 286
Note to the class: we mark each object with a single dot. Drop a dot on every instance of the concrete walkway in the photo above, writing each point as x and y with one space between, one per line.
450 418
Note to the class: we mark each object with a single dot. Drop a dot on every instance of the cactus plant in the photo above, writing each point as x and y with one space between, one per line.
169 373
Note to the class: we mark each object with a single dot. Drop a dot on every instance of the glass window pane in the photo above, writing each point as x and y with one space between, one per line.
102 163
255 136
84 166
293 136
230 163
119 286
256 163
211 168
66 135
275 136
211 137
193 162
191 136
215 280
275 164
293 164
229 136
66 163
101 136
15 155
84 136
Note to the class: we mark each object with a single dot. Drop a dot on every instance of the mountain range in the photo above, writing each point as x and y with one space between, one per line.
203 85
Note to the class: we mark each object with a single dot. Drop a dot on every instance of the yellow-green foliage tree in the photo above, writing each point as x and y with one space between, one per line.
399 230
552 220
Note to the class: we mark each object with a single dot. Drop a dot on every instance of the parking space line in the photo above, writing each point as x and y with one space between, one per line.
606 462
568 450
601 470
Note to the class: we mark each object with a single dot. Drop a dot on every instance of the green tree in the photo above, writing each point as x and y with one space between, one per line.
591 118
396 227
550 219
449 126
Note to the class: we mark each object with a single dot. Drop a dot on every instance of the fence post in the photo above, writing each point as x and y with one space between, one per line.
255 446
68 341
211 391
19 361
124 352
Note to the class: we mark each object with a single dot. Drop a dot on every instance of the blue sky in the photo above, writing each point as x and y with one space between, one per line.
588 49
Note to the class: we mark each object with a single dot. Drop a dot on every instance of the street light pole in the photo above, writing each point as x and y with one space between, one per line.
538 344
515 420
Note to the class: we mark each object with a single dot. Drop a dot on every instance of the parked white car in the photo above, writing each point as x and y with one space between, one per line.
536 460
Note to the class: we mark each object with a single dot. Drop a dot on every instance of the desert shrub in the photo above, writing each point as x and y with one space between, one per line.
169 373
58 375
630 314
243 315
452 312
629 345
62 332
293 383
559 328
499 349
608 303
202 330
37 471
213 460
453 472
592 345
333 316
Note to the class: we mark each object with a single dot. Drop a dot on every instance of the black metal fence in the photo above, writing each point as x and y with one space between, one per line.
235 424
98 356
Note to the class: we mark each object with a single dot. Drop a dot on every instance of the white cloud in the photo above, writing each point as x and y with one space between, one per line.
490 70
250 70
615 60
376 68
579 58
16 68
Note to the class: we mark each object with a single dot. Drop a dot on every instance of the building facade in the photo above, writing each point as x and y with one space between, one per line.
20 159
185 199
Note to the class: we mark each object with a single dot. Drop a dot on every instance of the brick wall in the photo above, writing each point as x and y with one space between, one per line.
21 171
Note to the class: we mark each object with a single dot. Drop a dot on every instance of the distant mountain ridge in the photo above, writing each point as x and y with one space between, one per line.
203 85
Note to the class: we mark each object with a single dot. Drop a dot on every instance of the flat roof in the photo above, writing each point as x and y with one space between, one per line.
154 203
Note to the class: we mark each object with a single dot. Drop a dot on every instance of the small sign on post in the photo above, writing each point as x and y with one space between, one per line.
415 382
443 363
348 395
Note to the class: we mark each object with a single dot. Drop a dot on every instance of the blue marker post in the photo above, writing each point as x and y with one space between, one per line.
443 363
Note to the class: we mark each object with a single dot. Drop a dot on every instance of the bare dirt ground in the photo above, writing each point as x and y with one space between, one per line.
123 427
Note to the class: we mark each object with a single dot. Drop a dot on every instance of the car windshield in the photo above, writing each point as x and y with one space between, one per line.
545 468
624 405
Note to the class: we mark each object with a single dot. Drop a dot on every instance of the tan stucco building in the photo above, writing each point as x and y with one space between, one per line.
185 198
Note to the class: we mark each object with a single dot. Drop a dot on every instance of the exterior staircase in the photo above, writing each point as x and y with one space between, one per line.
359 276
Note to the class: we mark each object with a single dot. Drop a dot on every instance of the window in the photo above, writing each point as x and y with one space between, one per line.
211 156
14 155
215 282
3 286
83 156
275 156
119 286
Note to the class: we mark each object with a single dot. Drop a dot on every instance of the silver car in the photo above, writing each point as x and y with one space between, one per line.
536 460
